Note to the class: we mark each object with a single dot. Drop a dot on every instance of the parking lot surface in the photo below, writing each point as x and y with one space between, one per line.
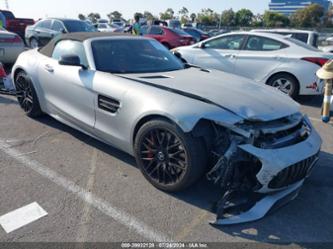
95 193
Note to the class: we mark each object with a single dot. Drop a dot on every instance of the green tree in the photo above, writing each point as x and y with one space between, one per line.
167 15
82 17
328 18
149 16
244 17
228 18
193 17
208 17
273 19
93 17
115 15
258 20
138 14
184 15
311 16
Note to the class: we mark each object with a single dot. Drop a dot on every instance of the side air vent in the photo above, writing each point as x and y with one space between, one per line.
108 104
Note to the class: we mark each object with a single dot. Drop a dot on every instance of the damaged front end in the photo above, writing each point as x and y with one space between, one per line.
260 165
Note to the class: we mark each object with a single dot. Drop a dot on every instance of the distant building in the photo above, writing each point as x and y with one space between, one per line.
288 7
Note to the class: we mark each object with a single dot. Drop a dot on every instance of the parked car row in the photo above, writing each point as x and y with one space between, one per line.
11 45
16 25
44 30
277 57
275 60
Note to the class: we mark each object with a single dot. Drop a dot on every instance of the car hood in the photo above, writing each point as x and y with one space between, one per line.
238 95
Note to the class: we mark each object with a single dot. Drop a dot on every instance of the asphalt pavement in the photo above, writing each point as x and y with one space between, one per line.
95 193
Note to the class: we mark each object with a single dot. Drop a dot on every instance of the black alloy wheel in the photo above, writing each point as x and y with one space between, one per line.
26 95
168 158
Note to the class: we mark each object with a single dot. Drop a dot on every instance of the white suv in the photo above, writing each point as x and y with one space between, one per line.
308 37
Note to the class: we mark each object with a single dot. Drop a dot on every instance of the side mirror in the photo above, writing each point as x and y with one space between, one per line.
177 54
202 45
63 31
71 60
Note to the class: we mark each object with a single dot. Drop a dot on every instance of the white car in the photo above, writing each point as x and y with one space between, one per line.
104 27
11 45
279 61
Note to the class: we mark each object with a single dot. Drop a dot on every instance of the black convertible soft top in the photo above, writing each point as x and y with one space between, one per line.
79 36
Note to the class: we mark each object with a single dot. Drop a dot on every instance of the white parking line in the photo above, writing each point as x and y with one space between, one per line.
118 215
21 217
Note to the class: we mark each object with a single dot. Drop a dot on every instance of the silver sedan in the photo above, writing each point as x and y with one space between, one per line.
11 45
179 121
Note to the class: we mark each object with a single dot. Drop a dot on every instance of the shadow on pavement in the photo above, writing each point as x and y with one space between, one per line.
49 121
306 219
313 101
6 100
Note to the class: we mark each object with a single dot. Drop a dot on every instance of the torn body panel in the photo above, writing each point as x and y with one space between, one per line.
268 160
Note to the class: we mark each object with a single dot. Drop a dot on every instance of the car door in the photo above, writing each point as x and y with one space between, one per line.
110 90
259 57
219 53
68 89
43 32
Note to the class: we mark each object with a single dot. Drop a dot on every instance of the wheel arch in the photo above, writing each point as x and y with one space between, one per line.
20 69
283 72
16 72
148 118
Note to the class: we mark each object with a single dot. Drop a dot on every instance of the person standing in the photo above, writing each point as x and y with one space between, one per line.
136 30
2 20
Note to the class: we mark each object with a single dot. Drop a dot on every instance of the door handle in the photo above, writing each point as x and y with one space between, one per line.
230 56
49 68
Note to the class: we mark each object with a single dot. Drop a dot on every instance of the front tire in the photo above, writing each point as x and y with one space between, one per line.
168 158
285 83
27 96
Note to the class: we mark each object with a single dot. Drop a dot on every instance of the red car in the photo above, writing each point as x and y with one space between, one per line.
171 38
16 25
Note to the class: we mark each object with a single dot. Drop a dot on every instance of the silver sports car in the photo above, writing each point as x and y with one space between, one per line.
179 121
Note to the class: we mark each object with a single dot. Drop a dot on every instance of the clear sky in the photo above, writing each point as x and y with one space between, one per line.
71 8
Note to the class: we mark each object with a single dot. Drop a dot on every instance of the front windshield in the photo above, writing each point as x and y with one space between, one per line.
133 56
78 26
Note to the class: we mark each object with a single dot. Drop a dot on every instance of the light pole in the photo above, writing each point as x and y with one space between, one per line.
7 4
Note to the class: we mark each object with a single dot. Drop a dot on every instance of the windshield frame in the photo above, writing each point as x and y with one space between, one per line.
92 61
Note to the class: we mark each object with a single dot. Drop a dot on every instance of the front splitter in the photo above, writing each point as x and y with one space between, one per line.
263 206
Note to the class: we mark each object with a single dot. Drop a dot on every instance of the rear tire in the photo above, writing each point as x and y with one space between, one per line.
168 158
34 43
27 96
286 83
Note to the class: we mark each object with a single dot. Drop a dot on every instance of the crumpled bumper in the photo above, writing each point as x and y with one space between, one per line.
275 161
293 162
264 206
